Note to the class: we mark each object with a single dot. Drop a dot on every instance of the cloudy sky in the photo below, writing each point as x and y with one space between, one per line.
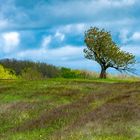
52 31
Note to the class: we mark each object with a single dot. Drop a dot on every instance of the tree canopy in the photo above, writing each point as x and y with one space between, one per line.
102 49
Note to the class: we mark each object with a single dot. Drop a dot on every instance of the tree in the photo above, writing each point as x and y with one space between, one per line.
31 74
102 49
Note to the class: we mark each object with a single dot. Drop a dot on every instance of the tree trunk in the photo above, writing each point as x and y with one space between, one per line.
103 73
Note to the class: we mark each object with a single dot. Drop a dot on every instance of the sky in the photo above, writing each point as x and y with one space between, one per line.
52 31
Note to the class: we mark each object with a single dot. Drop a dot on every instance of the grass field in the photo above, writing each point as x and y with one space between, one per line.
59 109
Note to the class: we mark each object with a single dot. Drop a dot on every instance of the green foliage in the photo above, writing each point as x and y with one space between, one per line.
31 70
18 66
6 73
31 74
69 73
102 49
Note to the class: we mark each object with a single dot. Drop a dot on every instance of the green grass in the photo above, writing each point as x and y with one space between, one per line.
70 109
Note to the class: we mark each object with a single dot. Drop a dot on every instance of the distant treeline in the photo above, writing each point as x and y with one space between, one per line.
20 66
36 70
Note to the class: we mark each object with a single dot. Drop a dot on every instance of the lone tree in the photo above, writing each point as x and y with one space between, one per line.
102 49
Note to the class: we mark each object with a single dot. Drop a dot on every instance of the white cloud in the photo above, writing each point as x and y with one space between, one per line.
9 41
77 28
44 52
36 16
136 36
80 28
116 3
87 10
124 36
3 24
59 35
134 49
46 41
62 54
65 52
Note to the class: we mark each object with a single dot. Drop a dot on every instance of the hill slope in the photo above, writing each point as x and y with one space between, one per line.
69 110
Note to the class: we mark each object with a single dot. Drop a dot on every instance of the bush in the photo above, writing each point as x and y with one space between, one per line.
69 73
7 73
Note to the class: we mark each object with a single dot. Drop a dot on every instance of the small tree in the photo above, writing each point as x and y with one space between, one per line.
105 52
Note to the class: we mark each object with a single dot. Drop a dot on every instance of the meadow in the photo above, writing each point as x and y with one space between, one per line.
68 109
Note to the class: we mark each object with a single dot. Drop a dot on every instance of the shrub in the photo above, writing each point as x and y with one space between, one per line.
69 73
7 73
